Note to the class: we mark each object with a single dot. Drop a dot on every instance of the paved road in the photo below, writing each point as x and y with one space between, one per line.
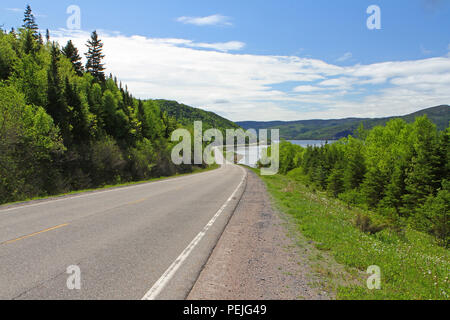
148 240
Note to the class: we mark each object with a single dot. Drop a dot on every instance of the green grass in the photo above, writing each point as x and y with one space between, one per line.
413 265
195 171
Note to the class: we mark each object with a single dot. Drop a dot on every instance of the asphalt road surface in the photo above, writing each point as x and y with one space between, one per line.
148 241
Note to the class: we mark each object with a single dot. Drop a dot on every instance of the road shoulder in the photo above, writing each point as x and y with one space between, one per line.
258 256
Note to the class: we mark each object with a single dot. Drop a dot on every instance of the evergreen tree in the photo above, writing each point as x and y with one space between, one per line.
335 182
57 106
78 116
396 189
94 57
355 170
29 22
71 53
422 178
47 35
30 44
142 118
373 187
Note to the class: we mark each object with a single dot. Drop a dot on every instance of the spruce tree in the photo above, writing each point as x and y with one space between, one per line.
422 179
78 117
71 52
57 105
30 45
47 35
94 57
29 22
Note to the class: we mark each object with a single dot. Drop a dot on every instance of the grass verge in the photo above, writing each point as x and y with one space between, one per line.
195 171
413 266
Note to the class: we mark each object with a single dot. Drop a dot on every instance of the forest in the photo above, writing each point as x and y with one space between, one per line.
342 128
66 126
187 116
399 173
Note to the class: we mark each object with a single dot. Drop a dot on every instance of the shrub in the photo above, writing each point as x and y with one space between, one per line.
366 225
107 161
432 217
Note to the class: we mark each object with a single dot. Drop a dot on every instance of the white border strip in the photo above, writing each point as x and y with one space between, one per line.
157 288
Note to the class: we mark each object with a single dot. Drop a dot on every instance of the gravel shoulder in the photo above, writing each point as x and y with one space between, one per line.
258 256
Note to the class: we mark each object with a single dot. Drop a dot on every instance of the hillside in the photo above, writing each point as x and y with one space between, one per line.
336 129
66 127
187 115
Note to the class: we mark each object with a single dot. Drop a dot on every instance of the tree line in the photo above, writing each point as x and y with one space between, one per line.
67 126
400 171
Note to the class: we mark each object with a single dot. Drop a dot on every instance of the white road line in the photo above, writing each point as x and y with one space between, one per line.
95 193
157 288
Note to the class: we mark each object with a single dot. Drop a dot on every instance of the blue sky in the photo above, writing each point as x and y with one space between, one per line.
268 60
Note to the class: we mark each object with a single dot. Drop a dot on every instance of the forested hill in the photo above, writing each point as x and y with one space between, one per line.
67 126
337 129
187 115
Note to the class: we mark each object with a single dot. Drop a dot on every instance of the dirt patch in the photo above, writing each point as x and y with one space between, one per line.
259 256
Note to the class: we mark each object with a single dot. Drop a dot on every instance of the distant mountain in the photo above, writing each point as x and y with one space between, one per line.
186 115
337 129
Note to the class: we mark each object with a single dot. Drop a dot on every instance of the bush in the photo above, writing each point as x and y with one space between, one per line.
107 161
432 217
142 160
351 198
366 225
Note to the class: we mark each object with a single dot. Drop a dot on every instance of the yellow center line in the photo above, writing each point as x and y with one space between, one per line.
145 199
35 234
137 202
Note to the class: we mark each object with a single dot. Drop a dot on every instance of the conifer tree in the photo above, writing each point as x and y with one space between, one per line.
422 178
94 57
29 22
71 53
57 105
78 118
30 44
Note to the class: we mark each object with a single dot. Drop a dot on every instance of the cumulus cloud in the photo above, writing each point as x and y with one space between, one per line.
213 20
246 87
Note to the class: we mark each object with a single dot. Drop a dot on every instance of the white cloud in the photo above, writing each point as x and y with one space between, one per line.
307 88
425 51
15 9
219 46
345 57
241 86
18 10
213 20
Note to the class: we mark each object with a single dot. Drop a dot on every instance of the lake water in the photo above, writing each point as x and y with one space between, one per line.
313 143
255 152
